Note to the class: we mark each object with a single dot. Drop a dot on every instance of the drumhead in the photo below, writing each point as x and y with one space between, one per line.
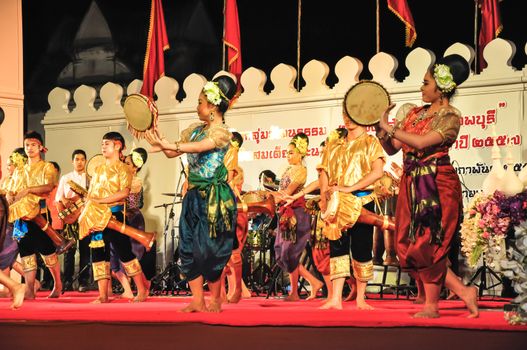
366 101
139 111
93 163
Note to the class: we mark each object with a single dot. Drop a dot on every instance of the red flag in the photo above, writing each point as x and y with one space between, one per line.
154 66
232 39
490 27
400 9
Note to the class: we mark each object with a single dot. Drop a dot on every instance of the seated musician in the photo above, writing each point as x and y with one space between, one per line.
109 188
37 180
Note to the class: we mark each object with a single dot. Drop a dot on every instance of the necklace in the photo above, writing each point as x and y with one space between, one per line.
423 115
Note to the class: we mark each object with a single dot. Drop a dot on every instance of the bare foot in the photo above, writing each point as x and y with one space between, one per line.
214 306
56 292
426 314
352 295
292 297
419 300
29 294
352 283
140 297
314 289
331 304
470 297
362 305
235 298
101 300
126 295
451 295
36 286
18 296
195 306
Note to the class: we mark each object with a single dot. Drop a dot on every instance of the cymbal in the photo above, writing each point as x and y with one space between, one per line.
171 194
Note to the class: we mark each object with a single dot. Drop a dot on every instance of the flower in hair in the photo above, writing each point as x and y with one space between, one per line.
235 143
301 145
443 77
214 93
137 160
333 135
17 159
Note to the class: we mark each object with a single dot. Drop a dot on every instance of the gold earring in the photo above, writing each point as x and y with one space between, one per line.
211 118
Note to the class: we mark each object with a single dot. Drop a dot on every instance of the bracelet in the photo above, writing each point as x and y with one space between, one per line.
177 147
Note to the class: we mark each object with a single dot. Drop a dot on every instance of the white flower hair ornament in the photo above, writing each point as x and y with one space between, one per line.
137 160
444 78
214 93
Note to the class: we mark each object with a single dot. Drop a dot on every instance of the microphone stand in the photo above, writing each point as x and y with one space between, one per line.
170 274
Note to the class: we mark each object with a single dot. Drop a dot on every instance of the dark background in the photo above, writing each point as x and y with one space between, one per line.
331 29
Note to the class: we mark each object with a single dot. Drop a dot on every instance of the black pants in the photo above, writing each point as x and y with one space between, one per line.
120 241
35 241
84 259
359 238
148 263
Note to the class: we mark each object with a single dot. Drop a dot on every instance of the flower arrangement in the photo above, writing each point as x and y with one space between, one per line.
514 267
444 78
497 226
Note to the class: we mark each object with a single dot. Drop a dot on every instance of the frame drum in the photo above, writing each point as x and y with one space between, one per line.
141 114
93 163
366 101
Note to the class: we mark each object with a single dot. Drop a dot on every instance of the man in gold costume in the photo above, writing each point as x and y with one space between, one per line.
35 181
105 201
349 168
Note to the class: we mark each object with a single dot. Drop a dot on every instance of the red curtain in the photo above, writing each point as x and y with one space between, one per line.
400 9
232 39
490 27
154 66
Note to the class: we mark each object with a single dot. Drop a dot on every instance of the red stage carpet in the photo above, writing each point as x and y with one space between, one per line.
75 308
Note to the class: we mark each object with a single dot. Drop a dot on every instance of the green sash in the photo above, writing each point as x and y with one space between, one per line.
220 204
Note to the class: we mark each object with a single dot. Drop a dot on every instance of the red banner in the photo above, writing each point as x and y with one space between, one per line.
490 27
232 39
154 66
400 9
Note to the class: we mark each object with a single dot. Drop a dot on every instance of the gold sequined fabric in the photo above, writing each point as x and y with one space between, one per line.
363 271
101 270
446 122
348 161
50 260
29 263
219 134
339 267
132 268
107 180
36 174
